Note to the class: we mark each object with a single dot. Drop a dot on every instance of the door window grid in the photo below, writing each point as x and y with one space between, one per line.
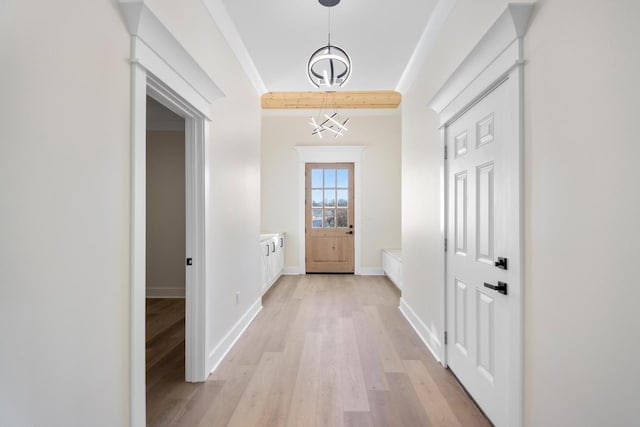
329 198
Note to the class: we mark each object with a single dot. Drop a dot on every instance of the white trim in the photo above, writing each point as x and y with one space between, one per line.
196 133
508 28
428 39
138 248
331 154
371 271
146 57
428 337
292 271
496 59
228 29
162 69
273 282
147 28
217 355
176 292
443 234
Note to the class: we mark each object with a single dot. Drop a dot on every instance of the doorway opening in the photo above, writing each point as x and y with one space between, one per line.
165 256
189 246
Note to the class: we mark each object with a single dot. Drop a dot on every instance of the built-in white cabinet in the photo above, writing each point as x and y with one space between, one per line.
272 248
392 265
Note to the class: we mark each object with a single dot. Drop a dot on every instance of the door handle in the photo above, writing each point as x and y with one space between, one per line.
501 287
349 232
273 246
501 263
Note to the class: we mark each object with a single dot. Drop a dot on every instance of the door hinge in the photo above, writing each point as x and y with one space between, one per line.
445 152
446 338
445 244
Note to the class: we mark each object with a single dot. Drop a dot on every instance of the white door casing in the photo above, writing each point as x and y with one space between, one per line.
162 69
480 110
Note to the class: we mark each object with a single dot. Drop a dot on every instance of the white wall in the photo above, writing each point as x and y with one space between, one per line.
64 229
166 240
379 131
581 203
64 233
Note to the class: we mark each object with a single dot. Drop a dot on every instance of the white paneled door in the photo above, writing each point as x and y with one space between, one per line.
480 212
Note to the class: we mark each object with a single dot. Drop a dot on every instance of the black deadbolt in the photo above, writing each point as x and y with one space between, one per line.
501 263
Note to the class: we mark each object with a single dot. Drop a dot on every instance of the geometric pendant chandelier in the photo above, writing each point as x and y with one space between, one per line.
330 124
330 66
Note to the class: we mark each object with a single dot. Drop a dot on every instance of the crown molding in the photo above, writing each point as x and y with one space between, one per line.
228 29
429 36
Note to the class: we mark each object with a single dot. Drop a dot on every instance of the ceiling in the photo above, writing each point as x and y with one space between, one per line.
280 35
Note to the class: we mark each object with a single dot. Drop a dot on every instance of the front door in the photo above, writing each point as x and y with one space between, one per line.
481 174
329 217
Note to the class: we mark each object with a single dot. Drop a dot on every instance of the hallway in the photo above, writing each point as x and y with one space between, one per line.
326 350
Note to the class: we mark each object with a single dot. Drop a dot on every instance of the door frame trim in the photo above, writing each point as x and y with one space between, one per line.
331 154
497 57
164 70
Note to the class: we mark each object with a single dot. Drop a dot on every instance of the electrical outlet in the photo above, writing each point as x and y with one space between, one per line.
238 297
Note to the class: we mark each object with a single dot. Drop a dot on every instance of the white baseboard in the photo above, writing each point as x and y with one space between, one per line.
362 271
165 293
427 336
293 271
266 289
370 271
220 351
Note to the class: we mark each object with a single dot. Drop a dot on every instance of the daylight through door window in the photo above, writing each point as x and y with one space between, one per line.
330 198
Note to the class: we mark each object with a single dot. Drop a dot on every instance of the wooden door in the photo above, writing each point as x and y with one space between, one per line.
480 210
329 217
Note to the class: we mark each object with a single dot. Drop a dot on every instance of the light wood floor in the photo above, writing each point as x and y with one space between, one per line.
326 350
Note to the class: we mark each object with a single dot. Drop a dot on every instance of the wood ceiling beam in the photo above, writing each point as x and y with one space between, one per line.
342 100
